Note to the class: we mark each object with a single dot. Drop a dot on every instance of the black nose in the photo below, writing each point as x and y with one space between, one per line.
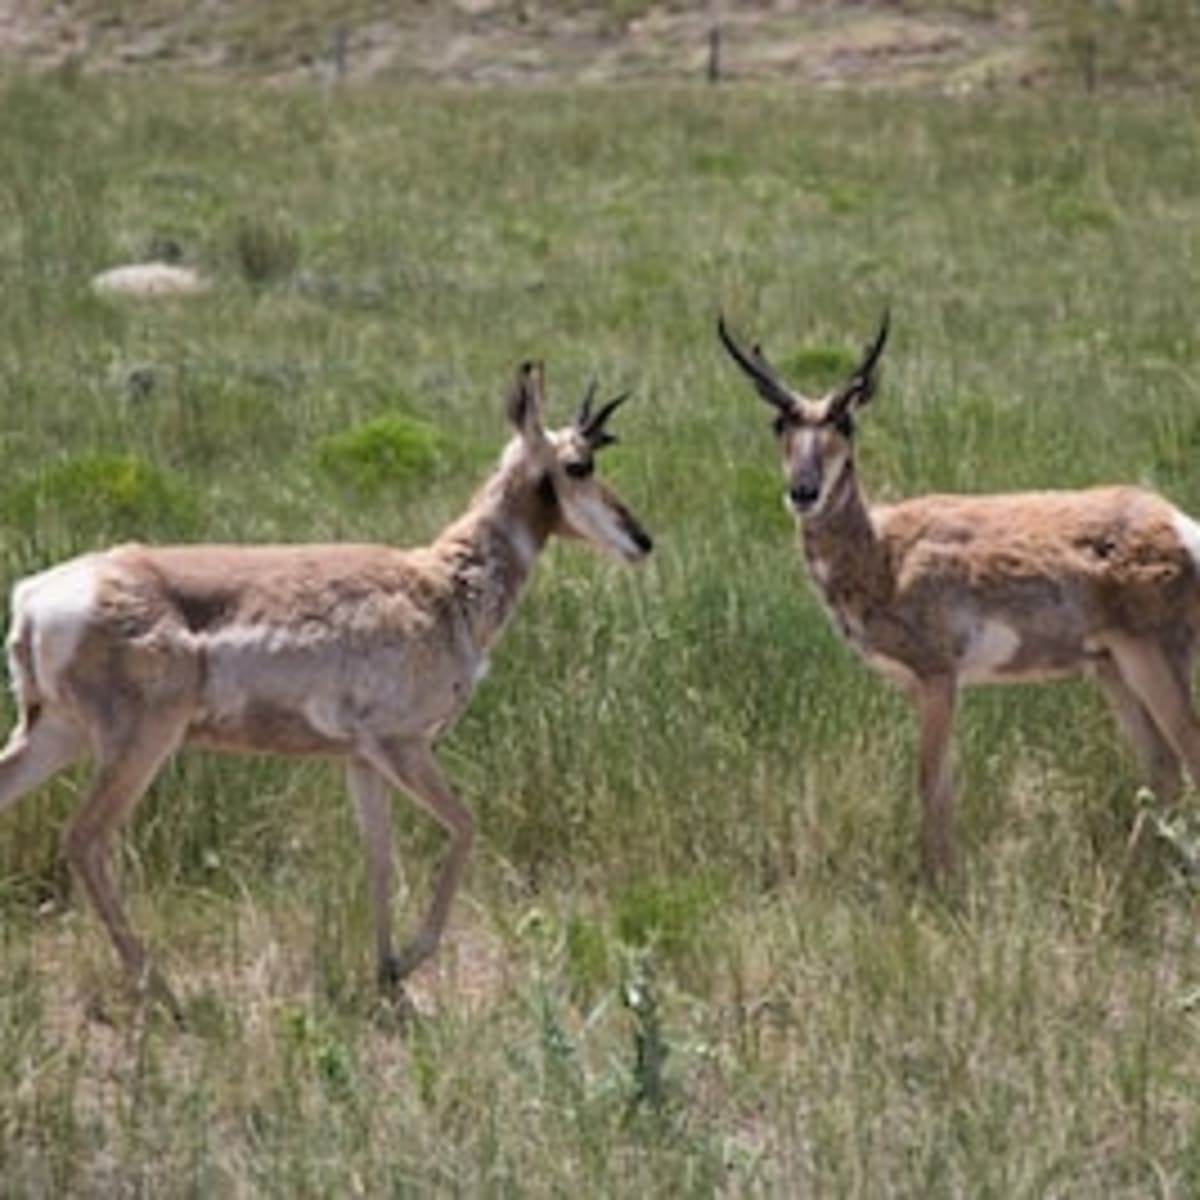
803 495
645 543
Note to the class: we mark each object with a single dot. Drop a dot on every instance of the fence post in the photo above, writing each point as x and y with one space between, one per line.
341 53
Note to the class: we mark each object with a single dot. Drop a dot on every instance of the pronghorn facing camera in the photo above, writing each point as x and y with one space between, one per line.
361 652
941 591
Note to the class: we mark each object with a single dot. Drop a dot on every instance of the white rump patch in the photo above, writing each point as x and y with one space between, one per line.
55 607
1189 534
991 647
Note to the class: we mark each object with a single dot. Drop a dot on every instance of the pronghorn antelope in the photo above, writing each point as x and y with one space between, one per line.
941 591
361 652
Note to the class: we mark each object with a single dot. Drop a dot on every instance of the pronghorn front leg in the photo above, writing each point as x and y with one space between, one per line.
410 766
934 699
373 808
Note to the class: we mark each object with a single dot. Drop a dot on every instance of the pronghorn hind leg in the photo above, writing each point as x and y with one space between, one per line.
125 768
373 809
935 699
1158 759
1152 676
38 748
411 767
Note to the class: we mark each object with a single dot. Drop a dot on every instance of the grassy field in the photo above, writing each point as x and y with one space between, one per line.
694 955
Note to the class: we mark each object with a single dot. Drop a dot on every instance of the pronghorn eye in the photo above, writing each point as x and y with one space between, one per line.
782 424
579 468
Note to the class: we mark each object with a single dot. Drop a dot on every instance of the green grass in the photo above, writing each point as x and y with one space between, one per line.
693 955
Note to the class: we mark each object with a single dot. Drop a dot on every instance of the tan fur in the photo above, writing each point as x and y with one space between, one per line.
942 591
358 651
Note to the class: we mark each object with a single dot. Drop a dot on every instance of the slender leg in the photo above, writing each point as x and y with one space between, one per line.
1159 761
1148 673
34 753
373 807
935 703
411 767
124 771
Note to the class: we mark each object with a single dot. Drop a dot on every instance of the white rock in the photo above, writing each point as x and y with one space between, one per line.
149 279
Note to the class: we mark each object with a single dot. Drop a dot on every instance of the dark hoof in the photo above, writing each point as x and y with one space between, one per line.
390 976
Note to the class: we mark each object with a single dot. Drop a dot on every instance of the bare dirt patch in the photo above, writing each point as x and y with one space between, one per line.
494 42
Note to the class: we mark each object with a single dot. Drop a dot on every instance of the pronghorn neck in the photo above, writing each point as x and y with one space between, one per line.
840 542
492 548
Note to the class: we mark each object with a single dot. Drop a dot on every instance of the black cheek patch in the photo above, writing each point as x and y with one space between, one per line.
545 491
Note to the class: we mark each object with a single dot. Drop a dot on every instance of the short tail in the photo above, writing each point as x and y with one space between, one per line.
22 671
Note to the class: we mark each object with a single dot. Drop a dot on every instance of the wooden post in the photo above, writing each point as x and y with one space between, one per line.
341 53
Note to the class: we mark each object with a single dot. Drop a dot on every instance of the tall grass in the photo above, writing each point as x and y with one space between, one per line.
693 955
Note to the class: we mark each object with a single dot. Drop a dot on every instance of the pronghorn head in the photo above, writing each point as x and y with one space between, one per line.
561 464
817 436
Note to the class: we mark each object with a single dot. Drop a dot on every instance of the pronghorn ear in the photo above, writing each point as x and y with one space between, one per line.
525 402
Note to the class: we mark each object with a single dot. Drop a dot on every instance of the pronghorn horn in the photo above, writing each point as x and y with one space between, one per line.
585 408
592 427
861 385
767 383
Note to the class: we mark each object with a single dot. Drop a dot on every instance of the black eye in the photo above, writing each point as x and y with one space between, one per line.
782 424
579 468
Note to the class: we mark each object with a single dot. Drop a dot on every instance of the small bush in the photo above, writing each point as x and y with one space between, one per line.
104 497
667 916
265 248
815 368
387 452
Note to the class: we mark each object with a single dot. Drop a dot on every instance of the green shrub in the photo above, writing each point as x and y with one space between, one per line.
265 248
816 368
388 452
103 497
667 916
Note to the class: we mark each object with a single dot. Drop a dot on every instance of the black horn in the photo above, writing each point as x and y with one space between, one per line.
592 426
585 407
767 383
861 384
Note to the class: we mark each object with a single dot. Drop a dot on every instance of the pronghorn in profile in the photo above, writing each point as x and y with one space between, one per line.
361 652
940 591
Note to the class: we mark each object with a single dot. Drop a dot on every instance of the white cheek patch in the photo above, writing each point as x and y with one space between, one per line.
595 521
1188 532
832 469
